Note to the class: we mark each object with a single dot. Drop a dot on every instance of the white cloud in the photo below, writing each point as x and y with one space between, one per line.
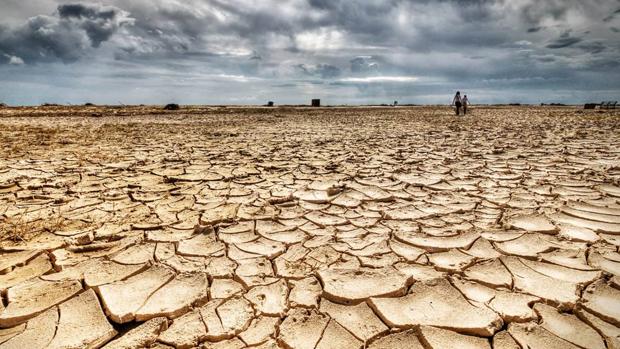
14 60
320 39
237 78
380 79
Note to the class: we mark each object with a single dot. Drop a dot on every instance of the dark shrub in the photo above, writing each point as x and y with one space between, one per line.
172 106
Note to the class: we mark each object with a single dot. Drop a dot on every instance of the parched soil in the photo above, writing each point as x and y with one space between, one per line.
224 227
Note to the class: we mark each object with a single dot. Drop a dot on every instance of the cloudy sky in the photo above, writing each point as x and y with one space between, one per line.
288 51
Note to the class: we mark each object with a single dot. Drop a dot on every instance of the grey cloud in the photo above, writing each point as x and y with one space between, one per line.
364 64
66 35
163 29
366 20
479 10
604 65
535 12
256 56
92 12
325 71
99 22
593 47
611 16
546 59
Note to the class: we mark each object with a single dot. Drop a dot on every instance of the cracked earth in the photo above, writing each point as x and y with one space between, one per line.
309 228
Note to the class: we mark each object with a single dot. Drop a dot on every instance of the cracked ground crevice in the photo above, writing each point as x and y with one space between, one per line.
348 227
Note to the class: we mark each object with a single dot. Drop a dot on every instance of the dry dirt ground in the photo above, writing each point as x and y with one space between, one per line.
309 228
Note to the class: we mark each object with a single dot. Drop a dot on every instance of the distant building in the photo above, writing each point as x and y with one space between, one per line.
270 104
316 102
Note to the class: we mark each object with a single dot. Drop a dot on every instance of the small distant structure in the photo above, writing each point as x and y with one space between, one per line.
316 102
589 106
270 104
395 103
172 106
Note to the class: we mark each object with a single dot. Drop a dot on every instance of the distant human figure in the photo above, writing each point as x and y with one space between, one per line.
456 101
465 102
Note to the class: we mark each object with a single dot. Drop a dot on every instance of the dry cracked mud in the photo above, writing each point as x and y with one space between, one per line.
224 227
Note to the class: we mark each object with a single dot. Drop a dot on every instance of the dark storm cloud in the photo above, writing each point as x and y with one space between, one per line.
564 42
66 35
100 23
612 16
166 28
350 48
87 11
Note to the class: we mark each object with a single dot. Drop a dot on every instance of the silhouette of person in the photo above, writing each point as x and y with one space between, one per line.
456 101
465 102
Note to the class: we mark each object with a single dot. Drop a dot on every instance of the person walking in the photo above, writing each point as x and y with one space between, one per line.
456 101
465 102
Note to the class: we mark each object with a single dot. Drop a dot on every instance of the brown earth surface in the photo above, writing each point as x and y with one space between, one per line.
230 227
